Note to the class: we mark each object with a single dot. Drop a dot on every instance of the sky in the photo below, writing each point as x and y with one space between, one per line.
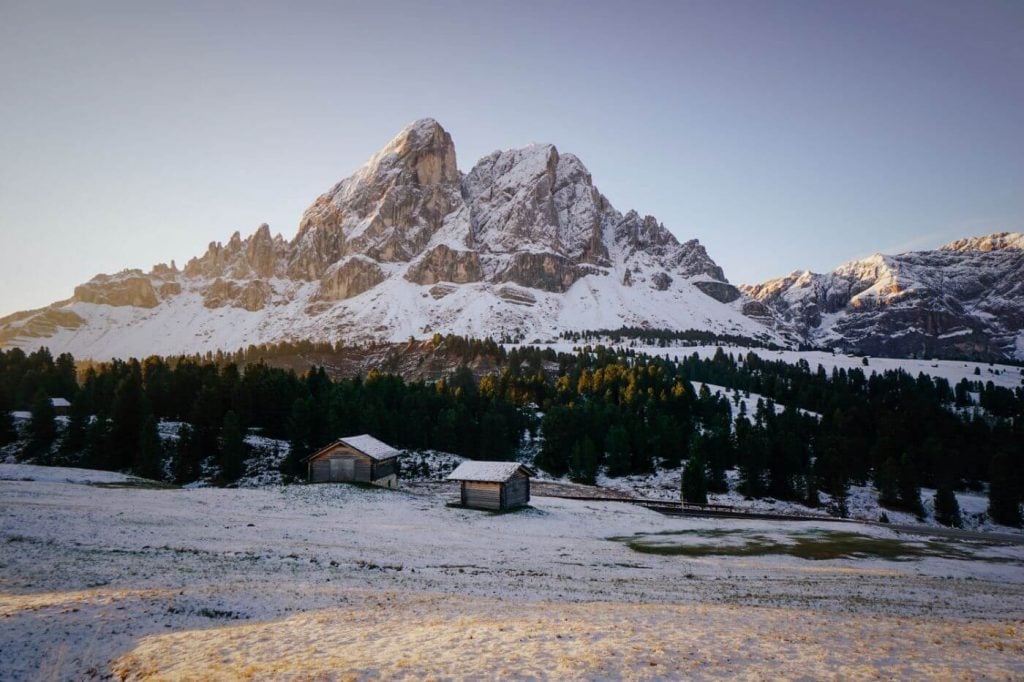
784 135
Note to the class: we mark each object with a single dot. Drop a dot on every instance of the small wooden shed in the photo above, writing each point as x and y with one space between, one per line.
61 406
355 459
493 485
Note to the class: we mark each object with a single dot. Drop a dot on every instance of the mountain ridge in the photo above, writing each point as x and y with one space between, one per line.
962 299
522 245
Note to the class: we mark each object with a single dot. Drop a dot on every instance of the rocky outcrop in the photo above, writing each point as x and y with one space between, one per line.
443 264
259 255
661 281
545 271
516 295
349 278
128 288
723 292
35 324
251 296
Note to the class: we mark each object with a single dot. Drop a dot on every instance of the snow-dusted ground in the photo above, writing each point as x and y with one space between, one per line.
336 581
738 398
1008 376
31 472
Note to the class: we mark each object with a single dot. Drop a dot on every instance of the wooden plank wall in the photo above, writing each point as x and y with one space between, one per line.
481 495
517 491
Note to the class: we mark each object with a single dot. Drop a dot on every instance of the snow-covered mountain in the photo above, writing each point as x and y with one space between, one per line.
963 299
524 244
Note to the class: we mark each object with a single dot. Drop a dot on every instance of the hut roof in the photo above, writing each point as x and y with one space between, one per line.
369 445
366 444
60 402
488 472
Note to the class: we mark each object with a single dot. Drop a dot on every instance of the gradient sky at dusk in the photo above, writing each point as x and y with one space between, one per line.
783 135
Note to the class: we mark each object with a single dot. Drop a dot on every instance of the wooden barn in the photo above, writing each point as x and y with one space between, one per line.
355 459
493 485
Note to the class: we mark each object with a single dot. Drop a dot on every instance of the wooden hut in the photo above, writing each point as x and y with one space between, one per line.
61 406
493 485
355 459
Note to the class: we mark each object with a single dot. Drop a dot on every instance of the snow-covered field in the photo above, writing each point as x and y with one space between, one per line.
1008 376
342 582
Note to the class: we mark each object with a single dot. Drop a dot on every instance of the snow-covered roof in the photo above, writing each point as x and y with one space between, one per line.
60 402
487 472
370 446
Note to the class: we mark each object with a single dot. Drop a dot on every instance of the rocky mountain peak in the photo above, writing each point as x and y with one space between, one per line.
999 241
522 244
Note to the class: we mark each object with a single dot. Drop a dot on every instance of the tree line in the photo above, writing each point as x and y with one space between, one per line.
598 410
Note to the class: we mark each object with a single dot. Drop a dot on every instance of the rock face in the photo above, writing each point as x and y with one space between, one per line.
350 277
964 299
523 244
128 288
443 264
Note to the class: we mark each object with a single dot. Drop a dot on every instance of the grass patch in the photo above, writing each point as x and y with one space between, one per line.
138 484
810 545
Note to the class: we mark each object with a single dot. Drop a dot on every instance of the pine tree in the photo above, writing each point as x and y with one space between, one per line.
947 509
185 465
886 484
8 434
232 448
1004 496
300 435
65 381
97 438
617 448
73 442
150 452
583 461
127 414
909 490
42 428
695 484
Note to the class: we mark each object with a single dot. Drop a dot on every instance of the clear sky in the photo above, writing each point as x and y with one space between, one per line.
783 135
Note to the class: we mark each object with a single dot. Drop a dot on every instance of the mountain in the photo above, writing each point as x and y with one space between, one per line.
522 245
965 299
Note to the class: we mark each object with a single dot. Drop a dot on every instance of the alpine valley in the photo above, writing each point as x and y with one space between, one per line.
523 246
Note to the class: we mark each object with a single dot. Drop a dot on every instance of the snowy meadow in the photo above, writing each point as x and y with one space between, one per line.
104 577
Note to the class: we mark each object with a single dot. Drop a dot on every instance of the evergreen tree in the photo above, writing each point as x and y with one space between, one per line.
583 461
73 442
886 484
65 377
97 437
206 418
232 448
947 509
1004 498
185 465
127 415
909 490
42 428
150 452
617 449
8 434
695 484
751 448
300 436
